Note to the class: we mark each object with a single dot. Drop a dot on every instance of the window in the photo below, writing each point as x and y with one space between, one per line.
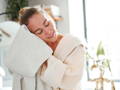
103 24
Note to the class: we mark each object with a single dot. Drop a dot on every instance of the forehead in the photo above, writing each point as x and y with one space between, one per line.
36 18
35 21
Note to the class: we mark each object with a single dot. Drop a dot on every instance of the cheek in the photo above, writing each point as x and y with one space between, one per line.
43 37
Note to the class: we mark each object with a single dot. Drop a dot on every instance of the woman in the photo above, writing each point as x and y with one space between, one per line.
63 69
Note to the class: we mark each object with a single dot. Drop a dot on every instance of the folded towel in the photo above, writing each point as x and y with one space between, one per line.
27 53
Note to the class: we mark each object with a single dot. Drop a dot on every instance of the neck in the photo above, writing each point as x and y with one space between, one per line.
54 44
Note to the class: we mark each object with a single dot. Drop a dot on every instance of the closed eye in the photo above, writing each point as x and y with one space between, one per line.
39 31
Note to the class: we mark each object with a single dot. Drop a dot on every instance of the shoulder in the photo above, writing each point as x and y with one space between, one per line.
72 39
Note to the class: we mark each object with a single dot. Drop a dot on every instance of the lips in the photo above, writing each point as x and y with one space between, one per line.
52 35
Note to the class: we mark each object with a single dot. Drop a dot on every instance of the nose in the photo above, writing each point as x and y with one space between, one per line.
48 32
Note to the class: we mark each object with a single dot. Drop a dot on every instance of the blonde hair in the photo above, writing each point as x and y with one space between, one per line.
26 12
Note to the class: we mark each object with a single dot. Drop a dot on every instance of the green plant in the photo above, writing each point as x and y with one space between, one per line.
100 62
13 7
100 49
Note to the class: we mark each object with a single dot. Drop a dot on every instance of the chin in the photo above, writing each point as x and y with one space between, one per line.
53 39
50 40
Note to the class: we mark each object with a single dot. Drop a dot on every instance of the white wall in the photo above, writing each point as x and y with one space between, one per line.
2 9
76 18
63 26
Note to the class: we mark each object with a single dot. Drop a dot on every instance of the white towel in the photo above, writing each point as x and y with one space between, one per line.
27 53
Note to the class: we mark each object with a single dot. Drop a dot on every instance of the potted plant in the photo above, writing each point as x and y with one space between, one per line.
100 62
13 7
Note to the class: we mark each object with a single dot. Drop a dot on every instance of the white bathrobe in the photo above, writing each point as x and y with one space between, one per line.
63 72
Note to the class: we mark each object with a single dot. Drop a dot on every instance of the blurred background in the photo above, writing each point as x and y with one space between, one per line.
95 22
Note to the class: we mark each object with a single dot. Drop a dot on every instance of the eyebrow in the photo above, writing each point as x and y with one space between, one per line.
44 21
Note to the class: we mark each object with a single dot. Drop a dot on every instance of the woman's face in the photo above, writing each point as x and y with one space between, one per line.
42 28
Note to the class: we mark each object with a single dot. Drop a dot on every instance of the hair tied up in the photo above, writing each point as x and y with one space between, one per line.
22 11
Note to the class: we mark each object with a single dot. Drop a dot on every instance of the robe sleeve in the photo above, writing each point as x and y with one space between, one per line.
67 74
